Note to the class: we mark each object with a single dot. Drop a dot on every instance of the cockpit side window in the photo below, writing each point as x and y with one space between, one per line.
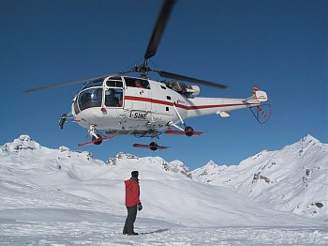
136 82
114 97
90 98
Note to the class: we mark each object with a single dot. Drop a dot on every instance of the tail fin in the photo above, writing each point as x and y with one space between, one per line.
261 96
258 96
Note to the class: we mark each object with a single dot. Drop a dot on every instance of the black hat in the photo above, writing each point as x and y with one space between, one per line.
135 174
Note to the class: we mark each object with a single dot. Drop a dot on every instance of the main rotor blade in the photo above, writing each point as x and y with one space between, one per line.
189 79
159 28
62 84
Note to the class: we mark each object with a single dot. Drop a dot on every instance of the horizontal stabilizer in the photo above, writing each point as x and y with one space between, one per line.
223 114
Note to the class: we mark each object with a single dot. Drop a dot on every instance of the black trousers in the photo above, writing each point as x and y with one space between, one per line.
130 219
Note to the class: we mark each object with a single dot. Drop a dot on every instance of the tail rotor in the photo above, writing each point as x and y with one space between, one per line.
262 113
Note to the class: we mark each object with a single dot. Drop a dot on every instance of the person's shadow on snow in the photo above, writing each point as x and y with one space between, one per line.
157 231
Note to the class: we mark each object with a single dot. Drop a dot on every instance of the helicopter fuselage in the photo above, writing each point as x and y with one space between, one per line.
126 104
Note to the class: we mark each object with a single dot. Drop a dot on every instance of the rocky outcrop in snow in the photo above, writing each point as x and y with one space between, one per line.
173 166
24 142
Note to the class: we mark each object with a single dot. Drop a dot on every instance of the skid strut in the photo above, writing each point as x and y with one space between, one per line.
188 130
178 114
96 138
171 123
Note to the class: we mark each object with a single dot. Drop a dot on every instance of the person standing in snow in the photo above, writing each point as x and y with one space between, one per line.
132 202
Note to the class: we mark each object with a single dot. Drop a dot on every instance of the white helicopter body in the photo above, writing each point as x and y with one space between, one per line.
150 108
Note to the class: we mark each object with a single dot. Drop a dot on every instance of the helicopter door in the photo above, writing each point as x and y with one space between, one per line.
138 98
113 93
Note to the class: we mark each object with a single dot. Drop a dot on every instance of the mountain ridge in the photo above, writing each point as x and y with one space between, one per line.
270 177
35 176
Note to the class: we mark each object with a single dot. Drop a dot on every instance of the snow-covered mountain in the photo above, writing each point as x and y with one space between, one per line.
35 176
294 178
64 197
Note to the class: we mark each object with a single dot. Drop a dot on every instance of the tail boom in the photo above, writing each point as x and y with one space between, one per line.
221 106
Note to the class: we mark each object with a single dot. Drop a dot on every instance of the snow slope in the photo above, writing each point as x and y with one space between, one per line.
62 197
36 176
294 178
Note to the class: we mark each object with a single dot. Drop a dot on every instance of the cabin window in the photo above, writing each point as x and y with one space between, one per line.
111 83
167 108
114 82
90 98
136 82
114 97
163 87
168 98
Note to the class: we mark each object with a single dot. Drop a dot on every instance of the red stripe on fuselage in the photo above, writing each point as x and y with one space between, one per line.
186 107
146 99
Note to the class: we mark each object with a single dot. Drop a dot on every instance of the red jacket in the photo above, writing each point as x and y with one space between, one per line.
132 193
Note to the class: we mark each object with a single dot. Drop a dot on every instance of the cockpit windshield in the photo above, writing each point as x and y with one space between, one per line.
90 98
92 94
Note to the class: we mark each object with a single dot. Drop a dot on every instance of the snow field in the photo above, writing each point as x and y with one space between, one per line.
62 197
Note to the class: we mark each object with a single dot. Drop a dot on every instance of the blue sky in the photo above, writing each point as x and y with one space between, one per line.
279 45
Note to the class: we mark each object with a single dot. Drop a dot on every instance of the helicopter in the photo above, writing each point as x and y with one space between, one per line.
119 104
